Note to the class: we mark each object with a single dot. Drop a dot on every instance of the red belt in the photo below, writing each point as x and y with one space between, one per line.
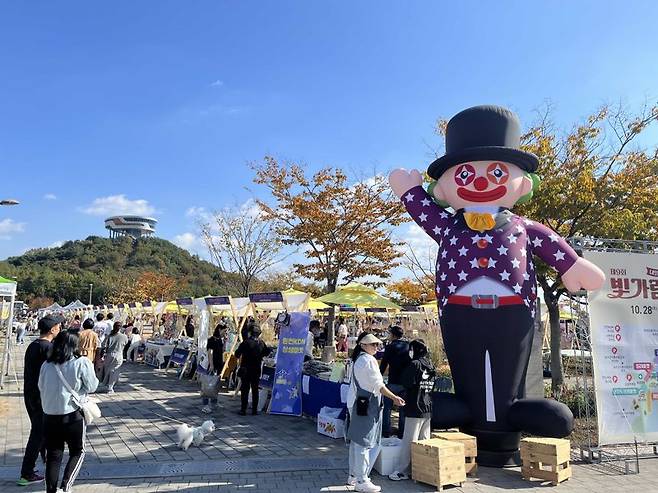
485 301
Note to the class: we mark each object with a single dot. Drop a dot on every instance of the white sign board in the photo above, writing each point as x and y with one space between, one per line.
624 332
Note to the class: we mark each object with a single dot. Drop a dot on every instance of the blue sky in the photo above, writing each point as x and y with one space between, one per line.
157 106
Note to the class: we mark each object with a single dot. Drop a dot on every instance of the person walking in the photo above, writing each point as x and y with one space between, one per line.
364 428
127 329
20 333
134 343
88 340
418 382
395 359
35 355
113 357
251 353
63 420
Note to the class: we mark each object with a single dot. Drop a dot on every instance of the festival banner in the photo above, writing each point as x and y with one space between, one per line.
287 386
624 333
272 297
217 300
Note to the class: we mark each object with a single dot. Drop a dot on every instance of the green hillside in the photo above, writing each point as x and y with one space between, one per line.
64 273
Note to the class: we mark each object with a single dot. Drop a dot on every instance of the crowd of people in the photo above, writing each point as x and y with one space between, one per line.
65 364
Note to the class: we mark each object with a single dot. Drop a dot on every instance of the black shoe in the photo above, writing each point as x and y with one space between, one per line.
241 412
255 413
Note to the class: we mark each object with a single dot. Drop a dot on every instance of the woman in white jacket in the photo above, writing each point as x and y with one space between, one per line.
364 400
63 419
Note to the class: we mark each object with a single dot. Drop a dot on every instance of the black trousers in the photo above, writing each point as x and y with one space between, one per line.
35 443
505 333
66 429
250 382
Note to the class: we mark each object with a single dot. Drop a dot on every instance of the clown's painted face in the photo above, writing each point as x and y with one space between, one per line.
482 183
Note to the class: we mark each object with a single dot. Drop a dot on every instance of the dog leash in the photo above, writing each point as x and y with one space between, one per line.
168 418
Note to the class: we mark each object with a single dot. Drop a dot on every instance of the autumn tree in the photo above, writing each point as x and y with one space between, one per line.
283 280
242 240
146 286
412 292
343 227
596 183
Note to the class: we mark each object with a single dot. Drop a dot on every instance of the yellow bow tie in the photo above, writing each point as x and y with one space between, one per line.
479 221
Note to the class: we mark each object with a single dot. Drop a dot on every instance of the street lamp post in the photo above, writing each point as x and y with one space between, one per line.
91 287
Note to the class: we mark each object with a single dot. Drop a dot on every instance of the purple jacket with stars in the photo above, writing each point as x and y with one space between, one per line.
498 261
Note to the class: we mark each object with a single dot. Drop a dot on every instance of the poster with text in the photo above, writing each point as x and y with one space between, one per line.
624 332
286 388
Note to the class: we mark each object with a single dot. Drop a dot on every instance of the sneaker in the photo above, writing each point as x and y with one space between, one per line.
351 480
31 478
255 413
367 486
398 476
206 410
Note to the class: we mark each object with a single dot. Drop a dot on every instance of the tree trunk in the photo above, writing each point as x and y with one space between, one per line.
329 351
557 378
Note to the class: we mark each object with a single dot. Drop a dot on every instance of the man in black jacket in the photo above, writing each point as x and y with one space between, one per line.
395 359
251 351
35 355
418 382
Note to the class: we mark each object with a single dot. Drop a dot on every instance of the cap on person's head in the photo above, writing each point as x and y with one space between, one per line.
48 322
370 339
88 324
396 330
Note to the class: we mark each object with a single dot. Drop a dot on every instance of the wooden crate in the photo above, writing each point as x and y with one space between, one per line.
470 447
546 458
438 462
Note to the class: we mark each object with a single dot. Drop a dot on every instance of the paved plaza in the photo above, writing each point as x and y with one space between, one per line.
132 449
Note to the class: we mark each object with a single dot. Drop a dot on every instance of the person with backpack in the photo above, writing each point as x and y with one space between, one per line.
63 381
418 382
251 353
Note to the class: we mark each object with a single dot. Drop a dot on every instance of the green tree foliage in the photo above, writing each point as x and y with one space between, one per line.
64 273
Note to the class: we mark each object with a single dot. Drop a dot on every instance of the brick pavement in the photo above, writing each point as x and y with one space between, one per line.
130 442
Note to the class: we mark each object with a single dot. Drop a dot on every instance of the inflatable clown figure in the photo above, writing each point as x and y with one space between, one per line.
485 279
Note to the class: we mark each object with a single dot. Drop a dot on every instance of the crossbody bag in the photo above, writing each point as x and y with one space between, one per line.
88 406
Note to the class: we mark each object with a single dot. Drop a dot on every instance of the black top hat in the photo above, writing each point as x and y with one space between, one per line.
483 133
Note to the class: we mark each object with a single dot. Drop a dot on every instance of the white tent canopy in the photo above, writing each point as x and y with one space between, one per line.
75 305
55 307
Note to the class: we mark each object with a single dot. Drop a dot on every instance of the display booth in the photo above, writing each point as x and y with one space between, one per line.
7 298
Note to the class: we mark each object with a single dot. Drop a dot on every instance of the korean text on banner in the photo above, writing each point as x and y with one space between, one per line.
624 333
287 386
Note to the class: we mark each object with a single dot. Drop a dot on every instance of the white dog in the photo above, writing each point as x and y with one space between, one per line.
188 435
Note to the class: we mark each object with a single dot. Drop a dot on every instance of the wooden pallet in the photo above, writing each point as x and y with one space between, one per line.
546 458
438 462
470 447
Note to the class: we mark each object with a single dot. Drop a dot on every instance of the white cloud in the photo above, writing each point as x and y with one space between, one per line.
56 244
195 212
217 83
8 227
117 205
50 196
186 240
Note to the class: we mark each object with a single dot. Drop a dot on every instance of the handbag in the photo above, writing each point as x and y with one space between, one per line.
88 406
362 402
209 385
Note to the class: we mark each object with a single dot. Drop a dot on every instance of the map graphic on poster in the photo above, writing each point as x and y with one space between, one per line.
624 331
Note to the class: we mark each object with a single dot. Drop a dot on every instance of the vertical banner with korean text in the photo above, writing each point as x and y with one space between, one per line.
624 333
286 388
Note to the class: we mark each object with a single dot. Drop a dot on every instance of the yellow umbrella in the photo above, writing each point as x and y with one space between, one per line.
313 304
358 295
